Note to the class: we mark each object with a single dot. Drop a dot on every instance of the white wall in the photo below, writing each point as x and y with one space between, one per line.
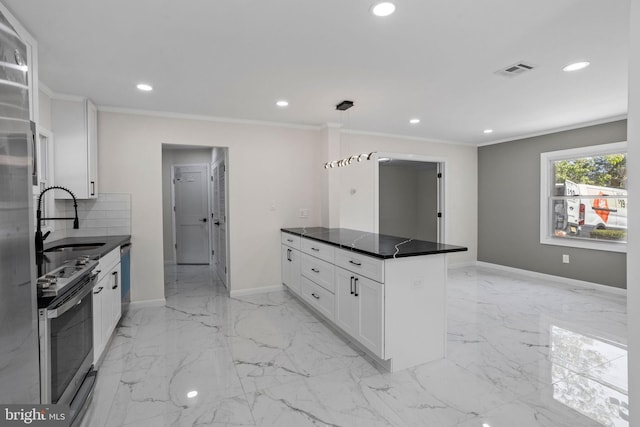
461 200
633 246
172 157
44 113
267 165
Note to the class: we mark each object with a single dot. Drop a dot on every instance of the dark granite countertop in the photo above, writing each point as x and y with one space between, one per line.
52 260
372 244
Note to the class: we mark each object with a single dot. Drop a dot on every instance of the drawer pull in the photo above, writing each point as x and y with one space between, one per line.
355 263
316 296
290 240
315 270
315 249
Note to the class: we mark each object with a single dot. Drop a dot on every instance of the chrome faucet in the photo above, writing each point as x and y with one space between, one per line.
39 237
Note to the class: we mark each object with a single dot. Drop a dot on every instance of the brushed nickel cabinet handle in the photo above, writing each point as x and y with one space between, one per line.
315 296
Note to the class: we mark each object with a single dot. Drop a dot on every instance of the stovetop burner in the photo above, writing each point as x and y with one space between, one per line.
57 281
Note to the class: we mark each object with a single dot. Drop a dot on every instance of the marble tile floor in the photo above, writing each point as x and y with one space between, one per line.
521 352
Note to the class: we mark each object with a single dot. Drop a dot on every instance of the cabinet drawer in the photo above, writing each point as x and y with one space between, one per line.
318 250
291 240
318 297
370 267
106 263
318 271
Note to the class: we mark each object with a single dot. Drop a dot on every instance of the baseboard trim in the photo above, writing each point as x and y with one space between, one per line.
462 264
160 302
553 278
253 291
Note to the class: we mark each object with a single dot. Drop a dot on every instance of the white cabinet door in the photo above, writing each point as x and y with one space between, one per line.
291 268
346 315
74 123
360 309
114 296
370 299
106 309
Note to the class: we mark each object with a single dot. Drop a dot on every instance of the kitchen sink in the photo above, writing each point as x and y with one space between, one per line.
75 247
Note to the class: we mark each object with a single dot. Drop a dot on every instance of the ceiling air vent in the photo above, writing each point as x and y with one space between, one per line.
516 69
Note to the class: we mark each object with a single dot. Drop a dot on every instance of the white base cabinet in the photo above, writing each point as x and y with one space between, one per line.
394 309
359 309
291 263
106 302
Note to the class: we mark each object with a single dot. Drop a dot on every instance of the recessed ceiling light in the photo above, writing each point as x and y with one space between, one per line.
282 103
576 66
487 131
383 9
144 87
192 394
414 121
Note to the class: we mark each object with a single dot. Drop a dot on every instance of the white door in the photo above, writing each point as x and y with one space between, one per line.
219 174
191 198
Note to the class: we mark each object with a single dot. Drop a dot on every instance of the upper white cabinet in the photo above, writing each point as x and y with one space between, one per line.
31 61
75 124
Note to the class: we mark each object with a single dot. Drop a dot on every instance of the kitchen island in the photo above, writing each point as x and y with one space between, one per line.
387 294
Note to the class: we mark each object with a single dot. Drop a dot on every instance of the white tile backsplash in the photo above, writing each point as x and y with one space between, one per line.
108 215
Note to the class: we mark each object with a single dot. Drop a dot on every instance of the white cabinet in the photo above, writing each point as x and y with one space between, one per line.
359 309
393 308
75 124
106 302
291 268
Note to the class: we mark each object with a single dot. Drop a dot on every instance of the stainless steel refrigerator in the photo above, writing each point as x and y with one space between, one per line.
19 367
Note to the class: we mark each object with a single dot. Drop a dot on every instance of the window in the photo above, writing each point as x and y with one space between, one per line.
583 197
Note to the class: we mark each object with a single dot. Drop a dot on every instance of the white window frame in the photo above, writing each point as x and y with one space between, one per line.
547 177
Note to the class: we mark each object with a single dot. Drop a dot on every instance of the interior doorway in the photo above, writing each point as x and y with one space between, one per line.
411 197
179 160
219 218
191 207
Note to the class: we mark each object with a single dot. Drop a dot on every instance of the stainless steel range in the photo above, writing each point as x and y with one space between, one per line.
62 278
65 326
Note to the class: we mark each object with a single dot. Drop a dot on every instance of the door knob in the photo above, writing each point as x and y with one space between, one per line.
217 223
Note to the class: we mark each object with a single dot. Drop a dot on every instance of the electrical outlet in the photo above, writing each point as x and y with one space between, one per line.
565 258
303 213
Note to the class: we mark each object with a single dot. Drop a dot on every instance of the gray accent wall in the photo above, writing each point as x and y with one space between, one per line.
509 208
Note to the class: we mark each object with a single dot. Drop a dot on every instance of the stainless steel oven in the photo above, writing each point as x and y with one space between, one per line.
65 323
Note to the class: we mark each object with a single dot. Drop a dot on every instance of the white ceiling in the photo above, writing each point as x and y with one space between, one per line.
432 59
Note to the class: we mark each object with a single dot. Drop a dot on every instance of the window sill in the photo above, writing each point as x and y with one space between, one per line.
585 244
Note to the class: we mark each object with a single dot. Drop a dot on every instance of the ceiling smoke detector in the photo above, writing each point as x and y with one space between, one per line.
344 105
516 69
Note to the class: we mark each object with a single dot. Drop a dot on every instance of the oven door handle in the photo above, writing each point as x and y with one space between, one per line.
75 300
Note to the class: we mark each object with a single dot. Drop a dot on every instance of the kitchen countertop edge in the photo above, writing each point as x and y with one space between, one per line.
56 259
447 249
